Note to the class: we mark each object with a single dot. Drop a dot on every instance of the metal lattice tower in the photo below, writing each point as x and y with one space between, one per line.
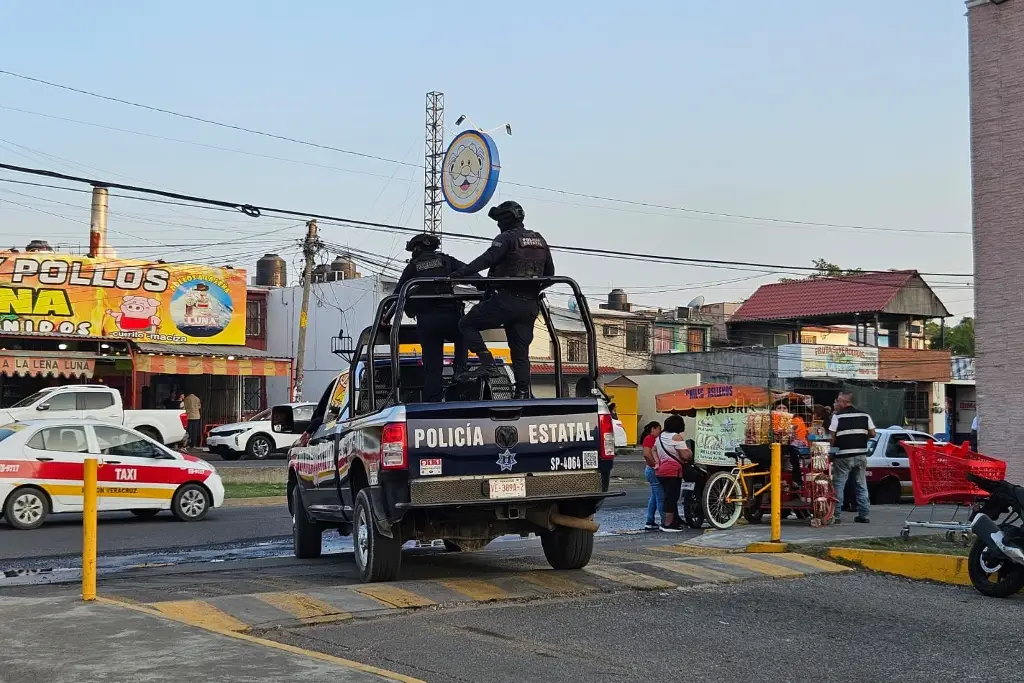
433 199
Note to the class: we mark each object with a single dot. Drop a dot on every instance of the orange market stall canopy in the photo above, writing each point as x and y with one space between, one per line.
721 412
197 359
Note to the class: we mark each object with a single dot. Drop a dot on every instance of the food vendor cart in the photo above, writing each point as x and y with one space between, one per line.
734 426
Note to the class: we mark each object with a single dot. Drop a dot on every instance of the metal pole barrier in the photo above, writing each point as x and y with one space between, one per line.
776 479
89 495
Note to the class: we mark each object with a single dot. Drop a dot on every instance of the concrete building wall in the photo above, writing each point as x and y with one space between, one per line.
996 46
348 304
754 365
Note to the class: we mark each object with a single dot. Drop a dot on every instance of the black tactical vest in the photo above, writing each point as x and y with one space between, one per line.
430 264
526 256
852 434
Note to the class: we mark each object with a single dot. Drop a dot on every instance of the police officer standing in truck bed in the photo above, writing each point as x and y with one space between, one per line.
436 320
516 252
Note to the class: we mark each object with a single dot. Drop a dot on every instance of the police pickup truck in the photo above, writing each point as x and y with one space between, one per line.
378 464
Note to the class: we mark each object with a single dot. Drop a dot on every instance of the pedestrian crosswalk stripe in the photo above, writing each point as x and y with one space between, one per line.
474 589
305 608
628 577
200 613
689 550
693 570
551 581
393 596
814 562
759 566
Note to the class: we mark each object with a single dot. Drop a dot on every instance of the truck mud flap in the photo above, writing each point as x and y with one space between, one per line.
380 515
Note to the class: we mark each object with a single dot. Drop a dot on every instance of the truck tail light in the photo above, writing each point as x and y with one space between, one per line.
184 420
606 436
393 447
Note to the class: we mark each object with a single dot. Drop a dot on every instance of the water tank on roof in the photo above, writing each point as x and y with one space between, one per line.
38 245
272 271
617 300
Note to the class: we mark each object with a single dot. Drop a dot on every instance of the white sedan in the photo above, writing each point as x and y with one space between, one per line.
254 438
42 465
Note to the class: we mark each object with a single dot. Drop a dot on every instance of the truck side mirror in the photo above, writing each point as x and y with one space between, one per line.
282 420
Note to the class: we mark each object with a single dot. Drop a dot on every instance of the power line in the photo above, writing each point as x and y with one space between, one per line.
255 211
542 188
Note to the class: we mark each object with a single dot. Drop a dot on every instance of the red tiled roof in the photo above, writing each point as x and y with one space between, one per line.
823 297
569 369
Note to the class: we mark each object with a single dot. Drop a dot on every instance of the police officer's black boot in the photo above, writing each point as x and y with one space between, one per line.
522 394
486 368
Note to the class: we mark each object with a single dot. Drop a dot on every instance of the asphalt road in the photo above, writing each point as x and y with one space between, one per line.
834 628
226 529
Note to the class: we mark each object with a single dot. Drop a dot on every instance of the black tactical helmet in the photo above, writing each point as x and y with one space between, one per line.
423 242
507 210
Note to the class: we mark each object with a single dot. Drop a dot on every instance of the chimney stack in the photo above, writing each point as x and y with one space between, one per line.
98 225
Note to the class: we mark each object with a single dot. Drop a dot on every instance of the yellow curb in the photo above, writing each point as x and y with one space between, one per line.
263 501
767 547
926 566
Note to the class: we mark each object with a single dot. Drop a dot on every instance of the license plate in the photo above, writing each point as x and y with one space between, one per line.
687 486
508 488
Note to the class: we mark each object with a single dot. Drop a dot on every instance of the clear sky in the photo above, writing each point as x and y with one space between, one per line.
845 112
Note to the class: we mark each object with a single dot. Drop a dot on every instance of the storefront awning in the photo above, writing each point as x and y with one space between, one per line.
198 359
55 364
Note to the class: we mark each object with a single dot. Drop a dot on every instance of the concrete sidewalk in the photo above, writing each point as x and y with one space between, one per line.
65 640
886 521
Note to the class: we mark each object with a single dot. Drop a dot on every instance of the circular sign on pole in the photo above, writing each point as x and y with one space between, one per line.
470 171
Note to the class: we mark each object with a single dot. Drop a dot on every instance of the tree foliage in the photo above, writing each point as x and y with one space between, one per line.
823 269
959 338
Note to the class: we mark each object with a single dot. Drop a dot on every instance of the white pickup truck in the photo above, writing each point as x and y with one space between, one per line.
98 402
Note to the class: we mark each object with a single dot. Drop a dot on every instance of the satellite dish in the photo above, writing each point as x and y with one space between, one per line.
697 302
573 305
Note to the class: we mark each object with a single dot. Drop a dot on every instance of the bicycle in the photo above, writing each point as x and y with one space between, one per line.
727 494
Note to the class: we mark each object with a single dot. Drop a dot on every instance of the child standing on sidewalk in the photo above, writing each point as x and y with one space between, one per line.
655 504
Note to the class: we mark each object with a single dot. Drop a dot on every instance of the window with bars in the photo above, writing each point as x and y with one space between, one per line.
696 339
252 395
255 313
917 405
574 350
638 339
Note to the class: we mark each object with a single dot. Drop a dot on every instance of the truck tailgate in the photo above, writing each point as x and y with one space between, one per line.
491 438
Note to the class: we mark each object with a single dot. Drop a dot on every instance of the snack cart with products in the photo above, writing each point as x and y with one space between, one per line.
735 427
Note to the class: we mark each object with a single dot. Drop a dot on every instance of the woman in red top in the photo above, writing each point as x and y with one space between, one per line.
672 453
654 504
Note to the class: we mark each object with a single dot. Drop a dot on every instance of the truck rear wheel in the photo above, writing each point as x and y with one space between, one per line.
378 558
566 548
307 537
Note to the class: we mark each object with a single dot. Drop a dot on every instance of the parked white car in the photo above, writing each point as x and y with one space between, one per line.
97 402
254 438
620 433
42 464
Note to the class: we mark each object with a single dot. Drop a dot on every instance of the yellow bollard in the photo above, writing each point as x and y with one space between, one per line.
89 495
776 479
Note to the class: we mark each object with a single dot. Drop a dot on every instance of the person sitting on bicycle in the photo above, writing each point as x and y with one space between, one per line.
673 456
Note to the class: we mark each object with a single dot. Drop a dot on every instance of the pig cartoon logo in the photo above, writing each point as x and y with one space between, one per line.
138 313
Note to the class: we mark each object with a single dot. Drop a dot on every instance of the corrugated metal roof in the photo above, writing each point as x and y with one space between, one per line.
204 350
820 297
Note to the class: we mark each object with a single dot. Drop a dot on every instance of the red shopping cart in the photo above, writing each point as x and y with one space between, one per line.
938 474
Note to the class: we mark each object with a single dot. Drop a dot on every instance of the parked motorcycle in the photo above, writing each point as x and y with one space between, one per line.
996 560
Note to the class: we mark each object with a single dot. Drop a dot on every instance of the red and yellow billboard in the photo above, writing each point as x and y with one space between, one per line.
142 301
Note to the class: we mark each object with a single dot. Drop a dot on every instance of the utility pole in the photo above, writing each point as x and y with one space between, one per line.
309 247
